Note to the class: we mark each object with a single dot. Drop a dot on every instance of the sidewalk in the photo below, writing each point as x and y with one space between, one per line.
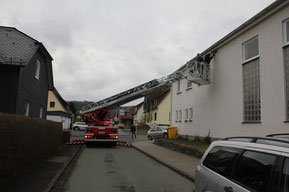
45 173
183 164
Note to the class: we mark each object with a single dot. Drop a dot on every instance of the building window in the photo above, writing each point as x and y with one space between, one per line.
179 86
37 69
180 115
286 63
191 114
286 32
41 112
177 116
187 115
251 91
189 84
26 108
251 49
52 104
155 116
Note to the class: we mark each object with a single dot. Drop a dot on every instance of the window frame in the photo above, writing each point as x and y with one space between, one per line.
37 69
244 50
186 115
286 84
52 102
189 85
180 116
285 35
155 116
191 115
177 116
245 116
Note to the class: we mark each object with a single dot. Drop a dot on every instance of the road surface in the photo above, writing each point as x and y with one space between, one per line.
122 169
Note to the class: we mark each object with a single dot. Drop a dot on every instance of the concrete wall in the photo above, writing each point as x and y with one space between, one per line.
218 107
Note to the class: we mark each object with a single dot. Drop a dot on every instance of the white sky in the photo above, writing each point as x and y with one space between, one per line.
103 47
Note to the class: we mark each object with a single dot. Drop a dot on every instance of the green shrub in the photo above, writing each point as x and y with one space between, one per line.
24 140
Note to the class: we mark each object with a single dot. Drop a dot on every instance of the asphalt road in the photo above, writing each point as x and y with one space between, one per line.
122 169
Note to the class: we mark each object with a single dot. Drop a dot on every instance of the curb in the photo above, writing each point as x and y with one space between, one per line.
182 173
59 172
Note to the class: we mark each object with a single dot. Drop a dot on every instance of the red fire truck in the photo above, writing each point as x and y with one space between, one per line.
100 116
101 127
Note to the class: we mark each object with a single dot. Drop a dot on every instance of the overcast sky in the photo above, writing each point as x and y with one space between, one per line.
103 47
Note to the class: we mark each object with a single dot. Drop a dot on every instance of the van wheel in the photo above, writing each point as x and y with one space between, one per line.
150 138
165 135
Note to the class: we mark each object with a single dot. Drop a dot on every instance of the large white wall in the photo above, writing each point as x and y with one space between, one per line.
218 107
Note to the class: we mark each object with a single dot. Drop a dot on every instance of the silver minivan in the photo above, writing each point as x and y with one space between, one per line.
237 164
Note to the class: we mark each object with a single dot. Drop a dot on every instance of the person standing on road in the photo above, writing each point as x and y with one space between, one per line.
133 129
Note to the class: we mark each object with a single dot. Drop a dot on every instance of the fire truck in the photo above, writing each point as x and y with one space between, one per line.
101 116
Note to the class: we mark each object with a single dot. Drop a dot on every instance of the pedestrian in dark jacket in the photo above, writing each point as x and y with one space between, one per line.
133 130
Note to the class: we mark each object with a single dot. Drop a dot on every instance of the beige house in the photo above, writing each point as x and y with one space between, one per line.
157 108
248 91
58 110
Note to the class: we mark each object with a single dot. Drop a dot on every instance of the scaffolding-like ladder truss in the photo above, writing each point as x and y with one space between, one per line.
148 88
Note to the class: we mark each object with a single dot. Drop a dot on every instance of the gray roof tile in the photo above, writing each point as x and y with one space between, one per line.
16 47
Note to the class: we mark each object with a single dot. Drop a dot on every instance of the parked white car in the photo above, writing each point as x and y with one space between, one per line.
79 126
245 164
157 131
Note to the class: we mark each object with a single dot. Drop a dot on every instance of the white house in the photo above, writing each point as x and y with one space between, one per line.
139 114
248 94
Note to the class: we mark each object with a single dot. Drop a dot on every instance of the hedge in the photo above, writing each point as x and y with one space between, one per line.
25 140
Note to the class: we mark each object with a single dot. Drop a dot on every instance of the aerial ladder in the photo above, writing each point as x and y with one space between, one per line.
197 71
99 113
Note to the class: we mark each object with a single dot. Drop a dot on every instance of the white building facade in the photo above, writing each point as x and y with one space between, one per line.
249 90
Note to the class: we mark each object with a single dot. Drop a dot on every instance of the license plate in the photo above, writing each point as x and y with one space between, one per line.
101 132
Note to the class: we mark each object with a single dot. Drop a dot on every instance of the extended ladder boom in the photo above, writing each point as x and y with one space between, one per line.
156 85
